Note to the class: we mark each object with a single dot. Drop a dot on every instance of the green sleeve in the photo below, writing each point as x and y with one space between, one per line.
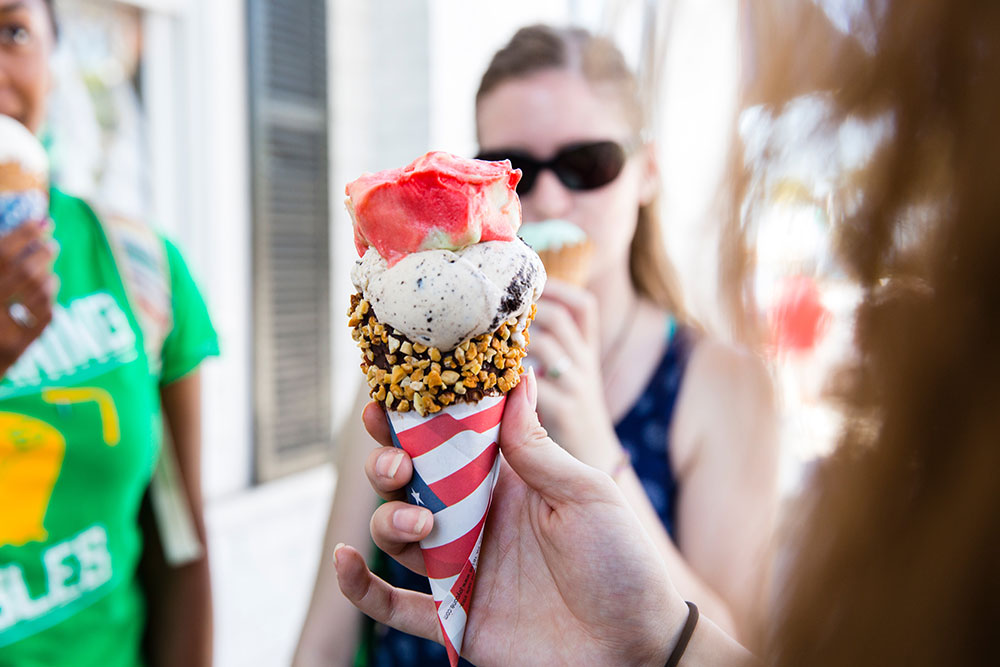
193 337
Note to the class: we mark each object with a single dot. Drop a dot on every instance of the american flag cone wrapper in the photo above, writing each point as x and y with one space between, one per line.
455 466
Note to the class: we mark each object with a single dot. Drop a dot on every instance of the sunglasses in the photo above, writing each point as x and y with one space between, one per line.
583 166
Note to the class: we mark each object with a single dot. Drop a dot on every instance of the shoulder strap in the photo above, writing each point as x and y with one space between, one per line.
140 254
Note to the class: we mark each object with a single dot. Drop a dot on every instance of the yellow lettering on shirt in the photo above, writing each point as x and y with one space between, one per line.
73 568
31 456
110 426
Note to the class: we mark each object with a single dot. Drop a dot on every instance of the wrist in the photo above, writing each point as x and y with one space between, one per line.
661 646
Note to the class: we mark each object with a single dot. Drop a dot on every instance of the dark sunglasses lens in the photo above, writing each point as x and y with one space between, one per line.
589 166
528 176
529 168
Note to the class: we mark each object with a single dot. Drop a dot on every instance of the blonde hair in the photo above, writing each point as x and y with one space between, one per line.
540 47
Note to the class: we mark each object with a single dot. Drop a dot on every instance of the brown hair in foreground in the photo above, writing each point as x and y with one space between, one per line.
897 559
539 47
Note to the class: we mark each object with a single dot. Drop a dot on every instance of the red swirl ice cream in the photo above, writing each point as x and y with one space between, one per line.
439 201
440 259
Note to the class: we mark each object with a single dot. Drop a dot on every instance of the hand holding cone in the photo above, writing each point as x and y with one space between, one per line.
566 572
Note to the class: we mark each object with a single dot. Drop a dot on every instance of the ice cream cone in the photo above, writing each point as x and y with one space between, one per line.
23 180
570 264
445 296
563 248
455 466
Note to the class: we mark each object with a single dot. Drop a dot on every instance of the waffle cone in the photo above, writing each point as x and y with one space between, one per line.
570 263
403 375
14 179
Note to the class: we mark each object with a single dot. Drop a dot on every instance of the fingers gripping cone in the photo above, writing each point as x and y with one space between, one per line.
455 467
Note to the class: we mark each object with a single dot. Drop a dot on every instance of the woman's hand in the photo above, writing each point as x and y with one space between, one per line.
27 288
566 572
565 348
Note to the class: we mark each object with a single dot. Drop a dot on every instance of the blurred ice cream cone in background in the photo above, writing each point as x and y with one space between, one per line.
563 247
24 167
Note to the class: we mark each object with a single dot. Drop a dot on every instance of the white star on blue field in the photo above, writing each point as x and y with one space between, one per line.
419 493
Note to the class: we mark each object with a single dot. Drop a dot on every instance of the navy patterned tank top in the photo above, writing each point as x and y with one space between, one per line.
643 432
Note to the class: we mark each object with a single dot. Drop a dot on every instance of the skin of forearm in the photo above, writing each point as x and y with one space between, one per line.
330 632
729 470
710 645
688 583
181 605
332 625
182 611
727 507
685 579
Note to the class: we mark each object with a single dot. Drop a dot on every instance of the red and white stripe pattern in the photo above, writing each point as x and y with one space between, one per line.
455 466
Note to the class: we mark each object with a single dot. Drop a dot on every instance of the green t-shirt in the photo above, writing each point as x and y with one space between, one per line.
80 434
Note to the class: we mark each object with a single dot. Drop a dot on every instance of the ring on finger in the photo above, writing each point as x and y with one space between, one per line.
21 316
558 369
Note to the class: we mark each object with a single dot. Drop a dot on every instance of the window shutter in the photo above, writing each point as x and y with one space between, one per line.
289 125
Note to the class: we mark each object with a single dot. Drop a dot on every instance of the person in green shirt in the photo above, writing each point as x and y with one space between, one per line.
83 411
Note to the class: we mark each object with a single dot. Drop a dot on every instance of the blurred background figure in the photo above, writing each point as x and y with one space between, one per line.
232 126
97 371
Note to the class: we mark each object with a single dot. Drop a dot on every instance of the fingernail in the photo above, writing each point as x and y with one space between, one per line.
388 464
410 520
340 545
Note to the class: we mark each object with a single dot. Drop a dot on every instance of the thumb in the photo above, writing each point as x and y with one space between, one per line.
531 453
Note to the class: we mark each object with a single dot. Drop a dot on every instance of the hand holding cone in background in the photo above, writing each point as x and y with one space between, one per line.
446 293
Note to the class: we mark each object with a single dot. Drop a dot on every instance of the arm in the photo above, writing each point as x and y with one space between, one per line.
726 457
180 599
26 258
573 409
686 578
330 631
565 566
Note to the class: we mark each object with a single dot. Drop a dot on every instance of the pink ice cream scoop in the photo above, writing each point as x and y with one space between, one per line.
438 202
